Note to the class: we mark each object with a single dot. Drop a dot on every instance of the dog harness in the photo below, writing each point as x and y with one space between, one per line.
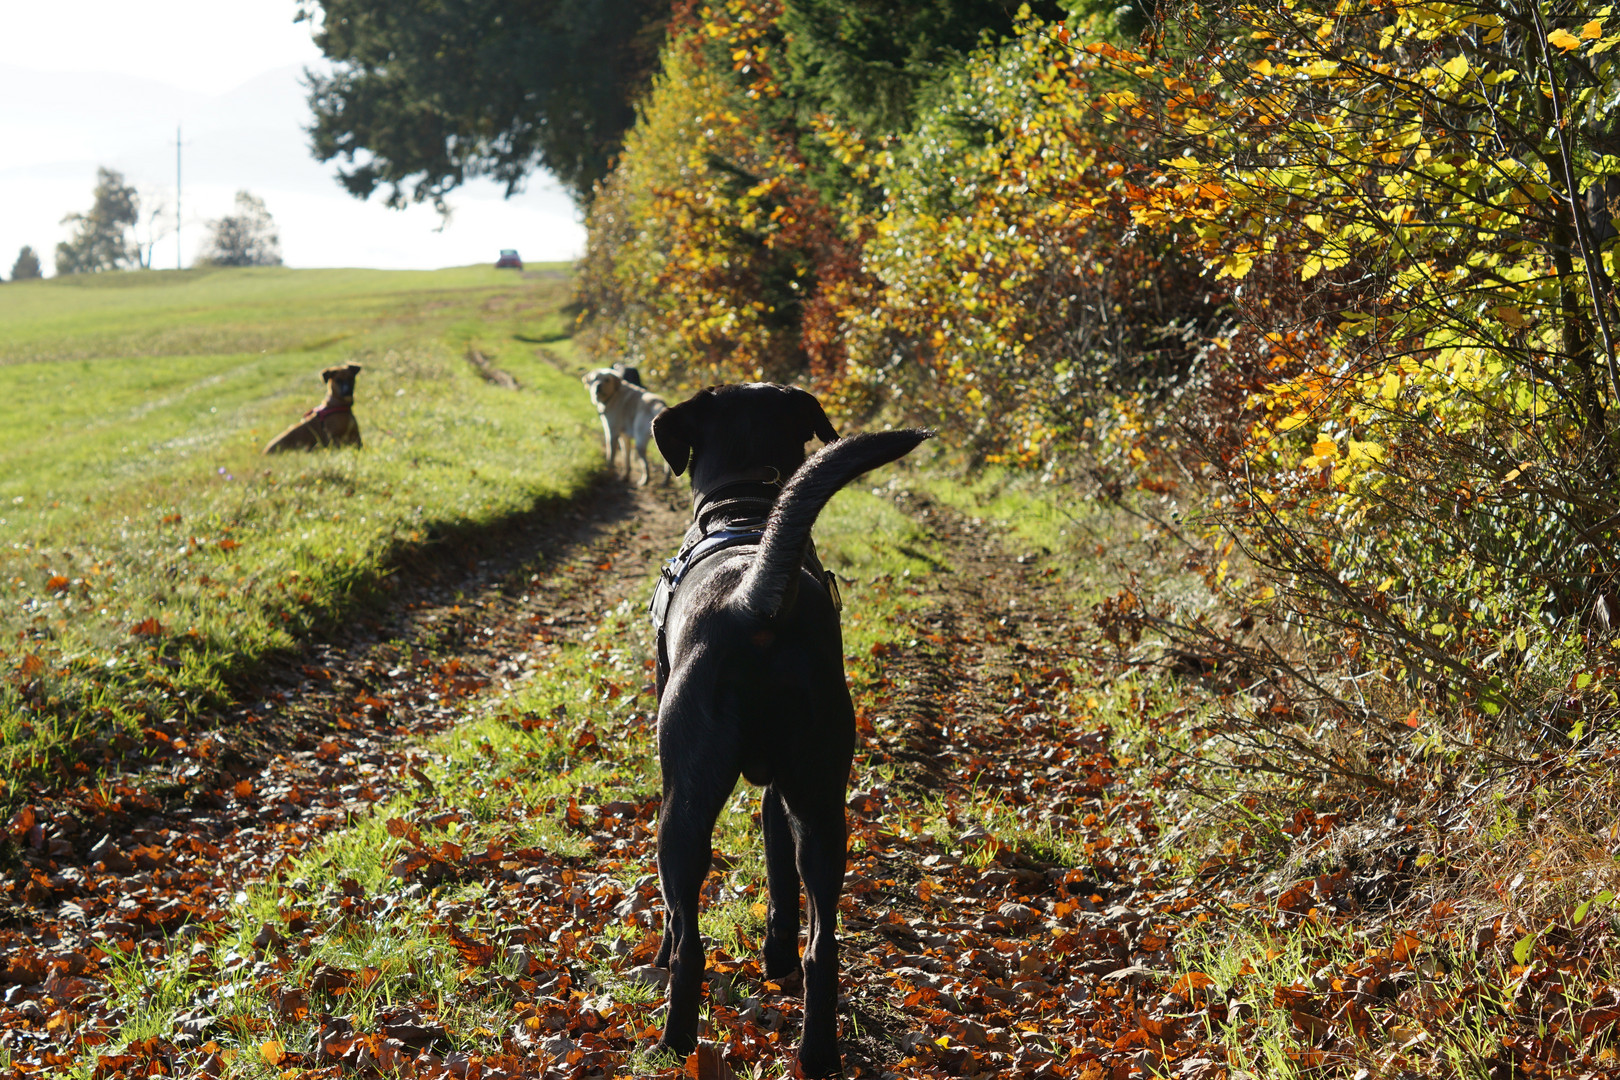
674 570
327 410
700 543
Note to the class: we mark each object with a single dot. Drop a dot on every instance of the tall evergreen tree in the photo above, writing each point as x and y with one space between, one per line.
101 239
26 268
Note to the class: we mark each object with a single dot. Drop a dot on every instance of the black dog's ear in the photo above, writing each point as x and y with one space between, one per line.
813 417
675 431
354 369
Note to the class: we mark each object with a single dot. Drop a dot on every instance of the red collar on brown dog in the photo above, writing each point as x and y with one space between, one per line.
328 410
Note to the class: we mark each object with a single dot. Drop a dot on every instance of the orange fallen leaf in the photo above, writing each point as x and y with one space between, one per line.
707 1062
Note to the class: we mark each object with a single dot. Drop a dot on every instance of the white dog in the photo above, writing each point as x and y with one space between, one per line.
627 413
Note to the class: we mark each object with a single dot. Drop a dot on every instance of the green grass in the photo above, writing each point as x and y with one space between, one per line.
133 494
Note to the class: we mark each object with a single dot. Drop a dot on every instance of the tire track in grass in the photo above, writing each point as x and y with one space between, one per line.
143 865
983 903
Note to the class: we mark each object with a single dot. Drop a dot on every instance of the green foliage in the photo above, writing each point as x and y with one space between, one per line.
868 61
26 268
704 242
1015 298
101 237
1427 471
245 238
424 96
874 66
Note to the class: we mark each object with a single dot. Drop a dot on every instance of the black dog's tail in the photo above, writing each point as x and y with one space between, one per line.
781 550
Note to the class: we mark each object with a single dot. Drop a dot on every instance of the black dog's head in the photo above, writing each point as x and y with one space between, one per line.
723 431
340 382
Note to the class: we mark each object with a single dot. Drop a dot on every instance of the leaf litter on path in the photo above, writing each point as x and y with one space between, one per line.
1007 908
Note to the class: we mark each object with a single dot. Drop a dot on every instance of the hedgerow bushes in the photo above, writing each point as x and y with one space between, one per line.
1342 276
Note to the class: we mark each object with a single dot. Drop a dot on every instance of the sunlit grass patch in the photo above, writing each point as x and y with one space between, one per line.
149 554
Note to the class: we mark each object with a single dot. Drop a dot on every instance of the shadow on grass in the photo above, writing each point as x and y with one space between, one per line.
104 735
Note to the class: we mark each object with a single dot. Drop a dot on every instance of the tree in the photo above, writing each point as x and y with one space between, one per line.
26 268
100 238
245 238
159 223
424 96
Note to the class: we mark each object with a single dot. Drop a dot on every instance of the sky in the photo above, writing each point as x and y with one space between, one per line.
106 82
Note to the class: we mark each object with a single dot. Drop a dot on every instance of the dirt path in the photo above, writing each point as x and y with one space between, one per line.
995 942
1000 916
321 739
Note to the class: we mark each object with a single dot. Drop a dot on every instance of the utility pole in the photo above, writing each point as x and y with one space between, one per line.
179 256
177 218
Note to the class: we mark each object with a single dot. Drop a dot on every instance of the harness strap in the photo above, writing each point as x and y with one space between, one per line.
675 570
754 492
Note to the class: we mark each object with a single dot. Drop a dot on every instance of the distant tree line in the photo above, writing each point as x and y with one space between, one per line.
245 238
107 236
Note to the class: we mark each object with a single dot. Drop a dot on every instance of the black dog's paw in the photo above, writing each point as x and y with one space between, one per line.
816 1066
791 982
680 1047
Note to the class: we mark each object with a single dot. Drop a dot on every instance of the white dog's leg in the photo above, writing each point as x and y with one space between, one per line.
609 442
646 470
629 457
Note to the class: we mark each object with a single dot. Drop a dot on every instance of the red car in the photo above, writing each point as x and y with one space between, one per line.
509 260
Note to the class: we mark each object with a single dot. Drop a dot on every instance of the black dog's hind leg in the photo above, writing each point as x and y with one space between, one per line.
822 850
781 952
694 794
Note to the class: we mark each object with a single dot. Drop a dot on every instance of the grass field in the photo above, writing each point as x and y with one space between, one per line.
148 551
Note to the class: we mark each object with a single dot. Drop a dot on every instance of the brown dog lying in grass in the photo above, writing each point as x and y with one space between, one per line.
331 423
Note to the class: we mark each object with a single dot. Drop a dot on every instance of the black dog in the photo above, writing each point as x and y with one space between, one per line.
751 683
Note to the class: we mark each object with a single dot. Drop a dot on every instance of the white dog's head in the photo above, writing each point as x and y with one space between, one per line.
604 385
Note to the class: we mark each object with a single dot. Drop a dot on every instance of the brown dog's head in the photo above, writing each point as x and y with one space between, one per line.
723 431
340 382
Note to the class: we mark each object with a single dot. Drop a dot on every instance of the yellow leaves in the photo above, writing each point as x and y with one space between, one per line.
1292 421
1512 316
1457 67
1563 39
1592 30
1236 266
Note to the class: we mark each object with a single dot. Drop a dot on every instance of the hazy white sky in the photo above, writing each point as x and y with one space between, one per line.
98 82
